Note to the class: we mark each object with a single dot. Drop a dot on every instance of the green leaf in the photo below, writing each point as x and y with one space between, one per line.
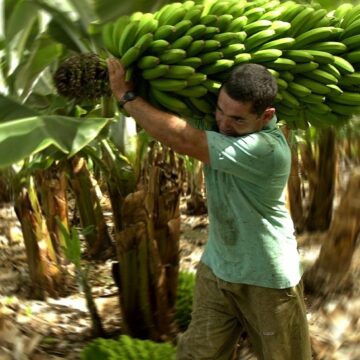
11 109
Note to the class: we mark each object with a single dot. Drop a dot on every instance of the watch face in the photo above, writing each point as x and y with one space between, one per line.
129 95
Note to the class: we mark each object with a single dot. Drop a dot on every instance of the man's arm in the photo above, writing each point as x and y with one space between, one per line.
167 128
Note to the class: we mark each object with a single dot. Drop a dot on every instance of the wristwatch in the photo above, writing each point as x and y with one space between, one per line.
128 96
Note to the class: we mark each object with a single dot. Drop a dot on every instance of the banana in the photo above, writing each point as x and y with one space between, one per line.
196 31
172 56
174 16
272 14
313 99
196 91
344 109
350 79
224 38
130 56
127 37
280 26
224 21
299 20
144 42
211 45
256 26
259 39
237 9
351 17
118 28
211 57
317 119
269 5
282 64
274 73
299 56
342 10
148 62
291 12
237 24
254 14
265 55
158 46
210 32
353 56
136 16
282 84
239 37
107 38
196 79
242 58
287 110
321 57
195 48
188 4
169 102
212 86
304 68
313 19
352 42
230 51
314 86
180 72
332 47
168 84
314 35
334 90
343 65
180 29
346 98
289 99
194 62
321 76
281 44
163 32
155 72
286 75
298 89
218 8
147 24
331 69
182 42
320 108
194 15
202 105
209 20
219 66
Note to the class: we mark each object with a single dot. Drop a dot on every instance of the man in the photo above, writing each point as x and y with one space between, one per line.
249 275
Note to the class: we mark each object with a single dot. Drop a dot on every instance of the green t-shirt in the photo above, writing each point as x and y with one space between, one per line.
251 234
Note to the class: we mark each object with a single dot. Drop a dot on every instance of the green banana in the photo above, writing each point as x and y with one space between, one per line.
155 72
351 16
182 42
195 48
194 15
196 79
209 20
299 56
313 99
194 62
282 64
148 62
313 19
211 45
289 99
304 67
346 98
266 55
130 56
313 35
314 86
196 31
321 57
212 86
172 56
298 90
274 73
342 10
231 50
147 24
351 30
174 17
158 46
350 79
224 21
291 12
334 90
344 66
218 8
281 44
163 32
353 56
180 29
282 84
320 108
219 66
280 26
210 32
168 84
287 110
254 14
332 47
256 26
180 72
107 38
344 109
321 76
118 28
202 105
242 58
196 91
259 39
331 69
169 101
299 20
287 75
127 38
211 57
144 42
237 24
352 42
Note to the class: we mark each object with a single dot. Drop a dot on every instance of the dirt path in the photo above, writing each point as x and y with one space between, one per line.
59 328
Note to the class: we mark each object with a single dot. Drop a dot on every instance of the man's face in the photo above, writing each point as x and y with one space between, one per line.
234 118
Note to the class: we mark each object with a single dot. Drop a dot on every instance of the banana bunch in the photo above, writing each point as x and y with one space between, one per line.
180 55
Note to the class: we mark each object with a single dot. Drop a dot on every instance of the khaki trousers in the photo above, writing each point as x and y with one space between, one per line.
274 319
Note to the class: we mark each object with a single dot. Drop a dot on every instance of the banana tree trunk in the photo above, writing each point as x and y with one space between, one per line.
321 202
45 272
332 266
52 184
148 255
92 219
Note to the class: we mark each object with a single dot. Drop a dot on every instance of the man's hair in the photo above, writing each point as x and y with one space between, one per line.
252 83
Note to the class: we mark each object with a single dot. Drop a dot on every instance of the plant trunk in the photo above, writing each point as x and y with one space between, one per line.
333 264
45 273
92 219
148 255
321 204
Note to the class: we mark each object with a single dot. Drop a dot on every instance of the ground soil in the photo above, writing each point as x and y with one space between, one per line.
60 328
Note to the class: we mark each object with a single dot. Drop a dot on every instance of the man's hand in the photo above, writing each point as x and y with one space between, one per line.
118 84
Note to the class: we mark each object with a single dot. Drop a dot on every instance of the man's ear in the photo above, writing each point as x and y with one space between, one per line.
268 115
